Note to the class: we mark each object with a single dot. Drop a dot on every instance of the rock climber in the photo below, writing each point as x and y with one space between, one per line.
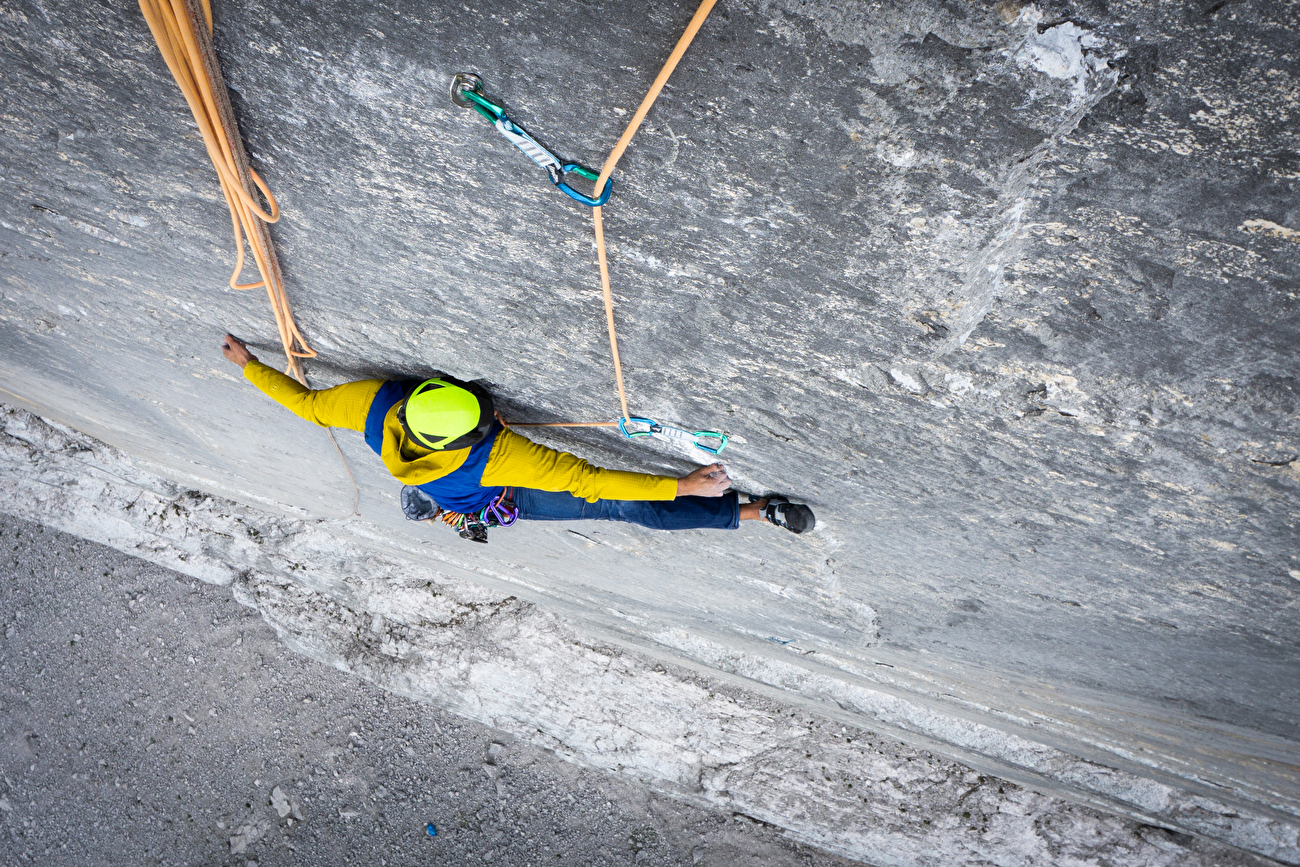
443 440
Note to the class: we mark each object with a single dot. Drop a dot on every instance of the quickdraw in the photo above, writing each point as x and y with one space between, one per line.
467 92
663 431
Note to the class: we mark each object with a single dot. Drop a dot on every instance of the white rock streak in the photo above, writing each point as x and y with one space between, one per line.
504 662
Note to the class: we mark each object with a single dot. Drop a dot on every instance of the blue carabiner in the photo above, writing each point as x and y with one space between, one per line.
722 439
649 422
467 92
589 175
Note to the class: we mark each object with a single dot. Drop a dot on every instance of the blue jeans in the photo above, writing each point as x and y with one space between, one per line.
683 513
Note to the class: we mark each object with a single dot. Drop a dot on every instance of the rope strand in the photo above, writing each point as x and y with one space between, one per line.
183 31
561 423
697 21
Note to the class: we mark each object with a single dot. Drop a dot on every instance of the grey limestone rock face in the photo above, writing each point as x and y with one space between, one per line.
688 727
1006 292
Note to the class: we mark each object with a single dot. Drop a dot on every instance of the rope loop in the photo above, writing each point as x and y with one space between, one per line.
185 43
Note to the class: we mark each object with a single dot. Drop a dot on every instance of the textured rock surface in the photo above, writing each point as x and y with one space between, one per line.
127 736
1012 302
698 735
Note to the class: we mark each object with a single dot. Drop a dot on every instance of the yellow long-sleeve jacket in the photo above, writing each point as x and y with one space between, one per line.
514 460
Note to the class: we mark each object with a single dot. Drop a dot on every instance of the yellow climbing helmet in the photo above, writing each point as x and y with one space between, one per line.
445 414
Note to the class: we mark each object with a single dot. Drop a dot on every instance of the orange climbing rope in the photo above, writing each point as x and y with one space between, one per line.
696 22
559 423
186 46
187 50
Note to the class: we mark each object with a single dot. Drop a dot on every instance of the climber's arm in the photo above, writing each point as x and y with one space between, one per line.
341 406
522 463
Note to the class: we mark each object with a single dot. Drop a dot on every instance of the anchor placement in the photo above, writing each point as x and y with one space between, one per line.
467 92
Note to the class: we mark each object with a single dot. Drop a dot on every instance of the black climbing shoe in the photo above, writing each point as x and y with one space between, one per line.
795 517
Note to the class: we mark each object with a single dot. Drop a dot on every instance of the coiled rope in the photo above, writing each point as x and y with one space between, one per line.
189 55
186 47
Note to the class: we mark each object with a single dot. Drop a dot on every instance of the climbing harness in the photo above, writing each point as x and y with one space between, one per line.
501 512
467 92
667 432
473 526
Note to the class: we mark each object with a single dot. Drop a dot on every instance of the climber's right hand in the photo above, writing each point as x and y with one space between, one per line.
710 481
235 350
